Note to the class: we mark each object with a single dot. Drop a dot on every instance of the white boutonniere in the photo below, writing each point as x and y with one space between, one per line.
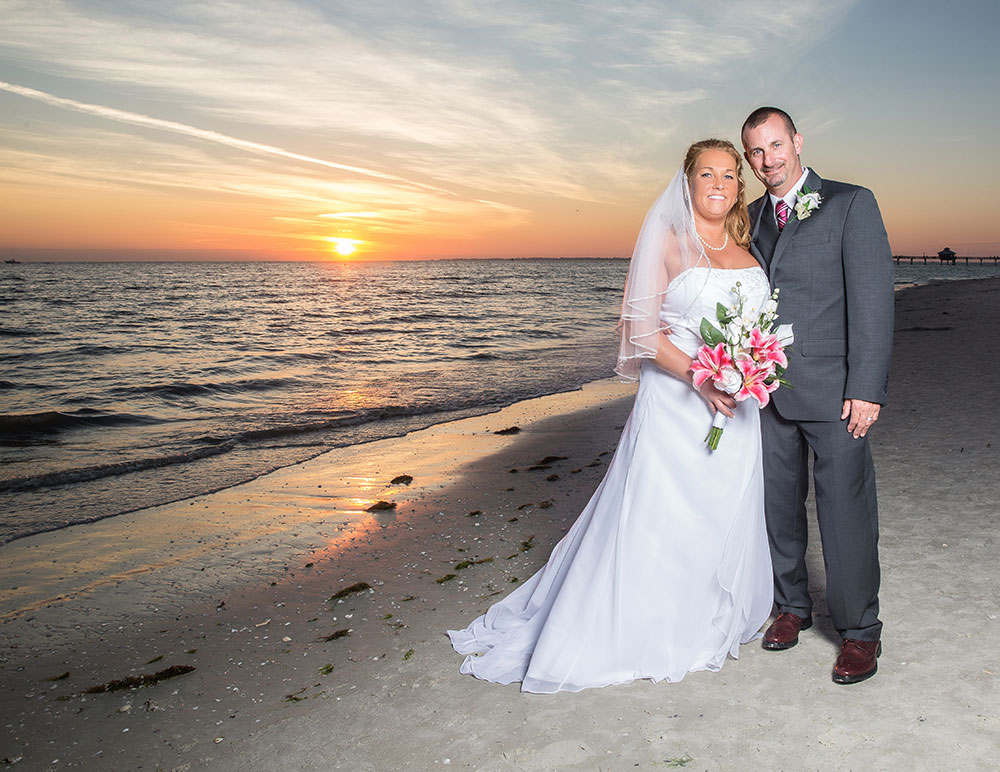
806 202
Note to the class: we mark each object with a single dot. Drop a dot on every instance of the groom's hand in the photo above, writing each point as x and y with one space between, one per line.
863 415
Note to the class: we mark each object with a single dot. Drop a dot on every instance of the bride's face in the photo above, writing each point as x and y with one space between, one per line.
714 185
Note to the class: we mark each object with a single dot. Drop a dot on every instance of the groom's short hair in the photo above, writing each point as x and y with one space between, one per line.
761 114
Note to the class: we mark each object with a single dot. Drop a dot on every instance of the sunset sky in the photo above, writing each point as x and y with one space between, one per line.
469 128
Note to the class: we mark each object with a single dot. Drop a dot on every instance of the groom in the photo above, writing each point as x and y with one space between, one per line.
824 245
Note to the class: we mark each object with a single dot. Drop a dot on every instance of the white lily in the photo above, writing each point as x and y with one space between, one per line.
784 334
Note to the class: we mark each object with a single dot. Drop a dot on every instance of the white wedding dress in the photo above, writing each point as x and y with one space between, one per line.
667 569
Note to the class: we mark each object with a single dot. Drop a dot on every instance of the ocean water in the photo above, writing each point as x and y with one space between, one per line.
934 270
124 385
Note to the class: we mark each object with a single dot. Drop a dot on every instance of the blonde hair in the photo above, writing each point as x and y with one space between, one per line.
737 221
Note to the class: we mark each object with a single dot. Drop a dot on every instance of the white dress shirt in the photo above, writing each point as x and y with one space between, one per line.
789 197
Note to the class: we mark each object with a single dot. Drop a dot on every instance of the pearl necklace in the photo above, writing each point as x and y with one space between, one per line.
709 246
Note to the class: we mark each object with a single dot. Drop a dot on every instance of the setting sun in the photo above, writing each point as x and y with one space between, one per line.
344 247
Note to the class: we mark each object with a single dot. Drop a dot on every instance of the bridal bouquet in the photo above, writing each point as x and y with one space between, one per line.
744 355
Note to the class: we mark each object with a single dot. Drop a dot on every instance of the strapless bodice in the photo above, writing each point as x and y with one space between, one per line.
693 295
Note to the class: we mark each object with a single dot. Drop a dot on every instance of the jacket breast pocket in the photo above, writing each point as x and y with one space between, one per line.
811 239
834 347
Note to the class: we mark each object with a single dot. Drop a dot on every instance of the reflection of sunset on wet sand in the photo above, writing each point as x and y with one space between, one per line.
313 510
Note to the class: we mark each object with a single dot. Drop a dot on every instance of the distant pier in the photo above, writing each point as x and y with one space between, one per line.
943 261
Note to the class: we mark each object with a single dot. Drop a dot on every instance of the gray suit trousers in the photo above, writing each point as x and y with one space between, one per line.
846 510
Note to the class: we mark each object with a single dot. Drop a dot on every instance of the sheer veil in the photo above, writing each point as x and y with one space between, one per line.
667 246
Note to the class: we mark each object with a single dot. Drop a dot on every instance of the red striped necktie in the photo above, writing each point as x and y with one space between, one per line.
781 212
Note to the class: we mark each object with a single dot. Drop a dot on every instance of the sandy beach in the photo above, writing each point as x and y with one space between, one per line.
239 586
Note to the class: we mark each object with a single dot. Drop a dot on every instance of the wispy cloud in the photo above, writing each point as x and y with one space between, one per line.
103 163
137 119
459 95
423 113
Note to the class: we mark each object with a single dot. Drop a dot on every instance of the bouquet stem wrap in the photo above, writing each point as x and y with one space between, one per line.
715 433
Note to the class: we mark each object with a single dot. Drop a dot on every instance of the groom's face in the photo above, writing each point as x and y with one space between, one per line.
773 154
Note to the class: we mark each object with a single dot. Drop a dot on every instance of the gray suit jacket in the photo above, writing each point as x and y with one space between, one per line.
835 273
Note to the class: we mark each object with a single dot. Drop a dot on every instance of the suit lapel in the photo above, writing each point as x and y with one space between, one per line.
767 235
755 217
815 183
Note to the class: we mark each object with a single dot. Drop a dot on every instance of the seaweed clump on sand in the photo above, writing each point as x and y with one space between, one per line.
469 563
144 679
508 430
381 506
403 479
357 587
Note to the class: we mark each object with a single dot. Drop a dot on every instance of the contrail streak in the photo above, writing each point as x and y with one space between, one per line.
193 131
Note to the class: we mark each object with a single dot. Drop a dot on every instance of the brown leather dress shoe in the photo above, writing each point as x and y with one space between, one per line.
858 660
784 631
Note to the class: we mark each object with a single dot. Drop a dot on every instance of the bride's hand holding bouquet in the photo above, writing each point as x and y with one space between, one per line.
719 400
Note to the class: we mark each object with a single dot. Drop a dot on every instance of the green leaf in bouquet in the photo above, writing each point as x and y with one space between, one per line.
722 314
709 333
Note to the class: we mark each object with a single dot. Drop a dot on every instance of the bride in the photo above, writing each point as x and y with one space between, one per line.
667 568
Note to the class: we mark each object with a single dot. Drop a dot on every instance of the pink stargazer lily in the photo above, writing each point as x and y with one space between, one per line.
709 364
755 381
765 348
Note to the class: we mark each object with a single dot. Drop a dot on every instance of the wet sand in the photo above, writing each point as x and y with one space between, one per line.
237 585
